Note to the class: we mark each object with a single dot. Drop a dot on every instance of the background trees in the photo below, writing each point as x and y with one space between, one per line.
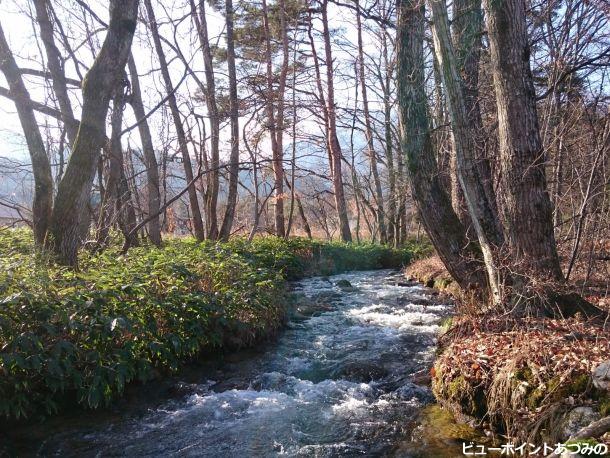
282 116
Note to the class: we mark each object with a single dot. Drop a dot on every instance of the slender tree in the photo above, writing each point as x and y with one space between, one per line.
274 133
150 159
229 216
333 141
212 108
380 213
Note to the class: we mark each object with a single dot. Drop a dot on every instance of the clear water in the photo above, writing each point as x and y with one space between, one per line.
336 383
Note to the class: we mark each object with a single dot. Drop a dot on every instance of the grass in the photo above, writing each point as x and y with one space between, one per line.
83 335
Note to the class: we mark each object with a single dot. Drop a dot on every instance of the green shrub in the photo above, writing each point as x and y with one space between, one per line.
85 334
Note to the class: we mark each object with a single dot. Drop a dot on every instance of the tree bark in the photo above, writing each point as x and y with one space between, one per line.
150 160
210 99
173 106
227 222
523 199
333 141
98 85
440 221
43 179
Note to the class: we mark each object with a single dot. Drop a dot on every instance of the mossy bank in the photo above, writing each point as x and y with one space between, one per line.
528 380
80 336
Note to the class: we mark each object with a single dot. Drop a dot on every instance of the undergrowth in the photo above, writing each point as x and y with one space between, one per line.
83 335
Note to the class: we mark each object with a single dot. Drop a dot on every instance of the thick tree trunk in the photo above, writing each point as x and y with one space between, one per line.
182 143
480 210
101 80
523 199
227 222
381 218
210 98
333 141
43 179
150 160
441 223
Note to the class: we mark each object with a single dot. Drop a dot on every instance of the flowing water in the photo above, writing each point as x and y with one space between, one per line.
337 382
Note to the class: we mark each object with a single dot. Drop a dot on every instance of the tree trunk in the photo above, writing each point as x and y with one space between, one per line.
43 179
150 160
479 208
182 143
227 222
440 221
383 236
101 79
210 99
523 199
333 141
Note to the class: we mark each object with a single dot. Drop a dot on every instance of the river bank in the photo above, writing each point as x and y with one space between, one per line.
535 380
77 338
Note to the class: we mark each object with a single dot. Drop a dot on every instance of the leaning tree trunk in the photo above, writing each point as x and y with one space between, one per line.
480 209
523 199
150 160
101 79
227 223
440 221
333 141
41 167
182 143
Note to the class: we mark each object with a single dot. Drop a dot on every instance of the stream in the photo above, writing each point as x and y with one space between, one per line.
336 382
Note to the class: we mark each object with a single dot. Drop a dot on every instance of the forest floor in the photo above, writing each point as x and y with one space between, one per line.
523 381
77 337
